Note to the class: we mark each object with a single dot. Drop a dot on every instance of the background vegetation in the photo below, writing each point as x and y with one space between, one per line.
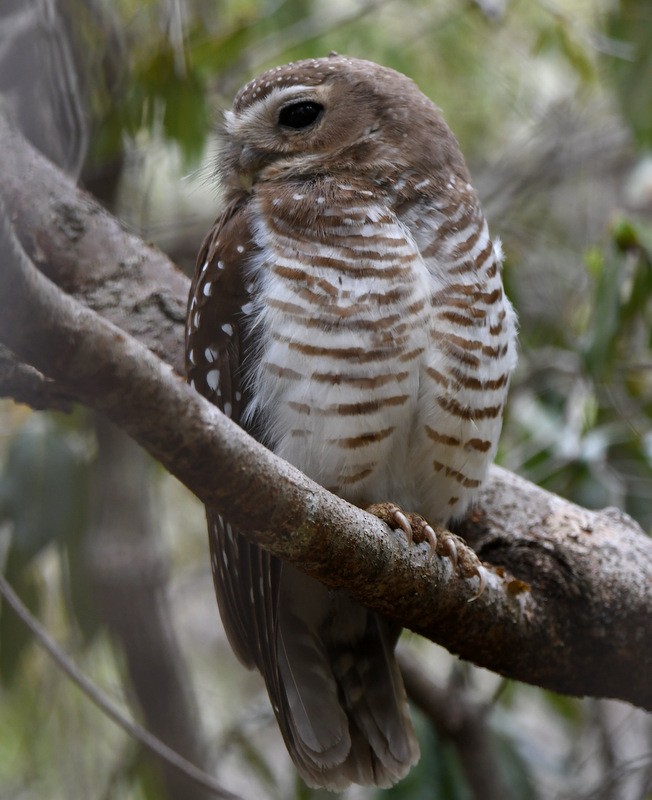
552 103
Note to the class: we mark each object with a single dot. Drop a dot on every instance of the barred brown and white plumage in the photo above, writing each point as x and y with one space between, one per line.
347 310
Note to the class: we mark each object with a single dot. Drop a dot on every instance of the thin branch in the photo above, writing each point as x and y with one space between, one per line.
27 385
104 703
576 617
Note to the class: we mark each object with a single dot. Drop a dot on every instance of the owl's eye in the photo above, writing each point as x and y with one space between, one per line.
300 115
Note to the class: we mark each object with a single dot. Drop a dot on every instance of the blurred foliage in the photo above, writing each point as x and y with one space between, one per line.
579 270
582 413
43 498
630 25
438 773
176 62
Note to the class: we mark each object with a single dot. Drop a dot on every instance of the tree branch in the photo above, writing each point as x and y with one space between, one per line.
85 251
26 385
576 618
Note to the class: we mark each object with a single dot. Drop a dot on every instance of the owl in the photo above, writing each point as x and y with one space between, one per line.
347 310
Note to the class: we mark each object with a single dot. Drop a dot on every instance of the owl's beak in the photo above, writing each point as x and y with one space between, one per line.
250 161
246 180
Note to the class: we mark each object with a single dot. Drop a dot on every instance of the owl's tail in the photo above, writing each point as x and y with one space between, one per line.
338 693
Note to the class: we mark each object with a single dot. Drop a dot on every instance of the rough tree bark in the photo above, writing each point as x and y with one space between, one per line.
569 591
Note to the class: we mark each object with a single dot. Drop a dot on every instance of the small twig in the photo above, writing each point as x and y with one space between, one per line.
24 384
103 702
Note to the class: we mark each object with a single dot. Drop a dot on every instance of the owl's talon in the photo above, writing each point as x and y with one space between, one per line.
481 574
431 537
450 551
403 523
417 530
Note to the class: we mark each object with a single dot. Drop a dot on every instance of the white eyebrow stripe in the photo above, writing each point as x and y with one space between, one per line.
235 121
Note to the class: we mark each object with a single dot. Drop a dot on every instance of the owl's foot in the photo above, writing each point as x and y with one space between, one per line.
442 542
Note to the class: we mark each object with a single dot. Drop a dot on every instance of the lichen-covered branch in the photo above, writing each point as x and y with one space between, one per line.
567 608
85 251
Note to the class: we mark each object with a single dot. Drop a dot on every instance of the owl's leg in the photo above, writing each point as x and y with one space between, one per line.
442 543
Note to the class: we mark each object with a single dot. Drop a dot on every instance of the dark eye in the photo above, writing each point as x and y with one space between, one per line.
300 115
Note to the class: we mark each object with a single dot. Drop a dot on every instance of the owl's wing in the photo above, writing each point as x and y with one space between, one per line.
217 296
216 340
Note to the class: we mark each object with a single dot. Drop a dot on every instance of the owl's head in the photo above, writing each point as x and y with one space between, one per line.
335 114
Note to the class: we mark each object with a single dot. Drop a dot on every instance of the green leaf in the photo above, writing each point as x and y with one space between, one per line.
561 37
570 708
575 51
624 234
630 68
40 486
600 341
438 773
255 760
169 91
44 497
14 636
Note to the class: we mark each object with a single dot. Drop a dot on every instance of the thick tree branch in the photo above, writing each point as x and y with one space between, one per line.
576 618
86 252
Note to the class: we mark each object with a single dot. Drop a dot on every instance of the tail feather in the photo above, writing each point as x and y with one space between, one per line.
308 690
338 693
373 693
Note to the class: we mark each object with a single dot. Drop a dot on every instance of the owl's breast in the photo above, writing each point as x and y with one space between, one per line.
382 365
342 328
